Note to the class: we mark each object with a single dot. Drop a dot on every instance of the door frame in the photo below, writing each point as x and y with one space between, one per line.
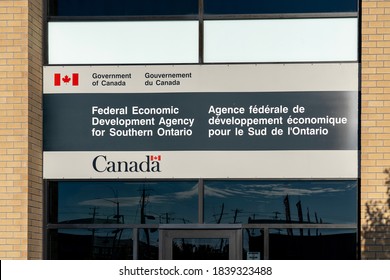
169 232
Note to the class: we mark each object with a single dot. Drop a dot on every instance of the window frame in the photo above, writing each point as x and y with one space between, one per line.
266 227
200 17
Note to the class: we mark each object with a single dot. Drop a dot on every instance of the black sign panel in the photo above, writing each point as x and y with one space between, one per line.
201 121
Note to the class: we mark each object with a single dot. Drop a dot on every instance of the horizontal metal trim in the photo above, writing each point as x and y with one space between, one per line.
202 226
206 17
262 63
301 226
204 63
101 226
134 180
281 16
120 18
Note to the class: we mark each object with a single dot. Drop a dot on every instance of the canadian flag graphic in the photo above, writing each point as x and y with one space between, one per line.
58 79
155 158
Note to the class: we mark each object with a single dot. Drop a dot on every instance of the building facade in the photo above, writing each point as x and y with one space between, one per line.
332 204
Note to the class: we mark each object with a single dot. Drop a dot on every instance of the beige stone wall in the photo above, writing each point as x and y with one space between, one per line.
20 129
375 130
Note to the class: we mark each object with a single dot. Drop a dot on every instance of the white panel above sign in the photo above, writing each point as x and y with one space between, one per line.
123 42
284 40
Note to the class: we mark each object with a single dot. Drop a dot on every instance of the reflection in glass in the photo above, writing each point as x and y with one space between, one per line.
122 7
148 244
253 244
259 202
200 249
278 6
321 244
91 244
124 202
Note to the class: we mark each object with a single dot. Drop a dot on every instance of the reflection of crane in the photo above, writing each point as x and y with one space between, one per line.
143 216
117 216
276 215
236 211
143 204
167 217
308 220
94 213
300 215
117 232
221 214
219 221
286 202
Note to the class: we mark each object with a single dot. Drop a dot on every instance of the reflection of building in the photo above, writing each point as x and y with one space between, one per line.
94 245
214 249
313 247
211 231
352 208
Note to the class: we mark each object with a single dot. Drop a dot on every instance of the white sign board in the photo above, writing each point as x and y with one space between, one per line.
201 121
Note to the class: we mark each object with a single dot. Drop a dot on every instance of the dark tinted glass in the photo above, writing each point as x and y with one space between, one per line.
312 244
257 202
112 202
148 244
122 7
278 6
91 244
200 249
253 244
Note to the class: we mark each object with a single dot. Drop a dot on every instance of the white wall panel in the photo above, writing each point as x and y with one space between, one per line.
123 42
284 40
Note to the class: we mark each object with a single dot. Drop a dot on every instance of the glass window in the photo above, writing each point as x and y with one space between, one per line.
91 244
278 6
256 202
124 202
124 42
200 249
312 244
122 7
280 40
253 244
148 244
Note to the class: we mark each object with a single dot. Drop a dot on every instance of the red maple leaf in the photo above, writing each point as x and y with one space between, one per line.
66 79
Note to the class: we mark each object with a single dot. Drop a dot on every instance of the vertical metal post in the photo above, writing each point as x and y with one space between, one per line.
201 201
266 243
201 31
135 243
161 244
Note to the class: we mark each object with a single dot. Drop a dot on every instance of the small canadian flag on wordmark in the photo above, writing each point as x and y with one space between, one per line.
58 79
155 158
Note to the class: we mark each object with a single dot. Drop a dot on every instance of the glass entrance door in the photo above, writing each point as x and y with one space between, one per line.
200 244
